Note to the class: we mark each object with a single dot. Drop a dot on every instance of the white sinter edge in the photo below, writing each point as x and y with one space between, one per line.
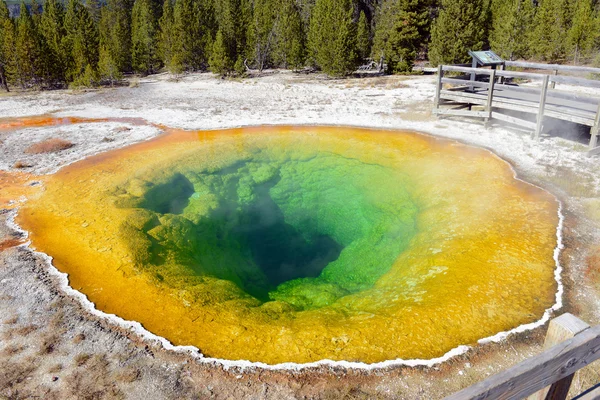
226 364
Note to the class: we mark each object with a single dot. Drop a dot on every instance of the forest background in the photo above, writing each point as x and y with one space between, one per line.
95 42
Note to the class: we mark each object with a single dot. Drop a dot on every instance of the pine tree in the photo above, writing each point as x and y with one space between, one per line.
6 45
459 27
27 49
165 42
363 37
512 20
52 30
332 36
219 61
402 29
188 51
581 35
108 69
261 32
144 41
80 44
115 32
551 24
288 49
233 18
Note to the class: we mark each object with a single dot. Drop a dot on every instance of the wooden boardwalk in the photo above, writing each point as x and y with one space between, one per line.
490 94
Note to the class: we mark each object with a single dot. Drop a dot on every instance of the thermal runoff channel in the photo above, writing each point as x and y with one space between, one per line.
286 244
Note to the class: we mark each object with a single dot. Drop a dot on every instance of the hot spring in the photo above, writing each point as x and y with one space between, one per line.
297 244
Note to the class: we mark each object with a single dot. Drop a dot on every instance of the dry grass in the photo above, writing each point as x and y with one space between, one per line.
82 358
49 344
12 374
80 337
11 320
52 145
26 330
129 375
21 165
55 368
121 129
12 350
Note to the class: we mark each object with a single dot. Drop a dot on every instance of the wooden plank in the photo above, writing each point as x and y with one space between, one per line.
553 83
513 120
463 99
562 114
538 372
594 152
554 94
540 116
515 88
560 329
488 105
524 75
595 131
576 81
438 88
461 113
556 67
478 71
465 82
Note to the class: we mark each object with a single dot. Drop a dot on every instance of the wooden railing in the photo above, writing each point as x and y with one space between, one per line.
493 93
549 374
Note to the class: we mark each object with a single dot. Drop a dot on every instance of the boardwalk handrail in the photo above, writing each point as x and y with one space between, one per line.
577 108
551 67
456 68
534 374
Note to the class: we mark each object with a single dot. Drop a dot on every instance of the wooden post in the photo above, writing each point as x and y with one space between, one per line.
560 329
595 130
540 116
438 88
553 84
488 106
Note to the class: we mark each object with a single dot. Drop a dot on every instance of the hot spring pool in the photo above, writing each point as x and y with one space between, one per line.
297 244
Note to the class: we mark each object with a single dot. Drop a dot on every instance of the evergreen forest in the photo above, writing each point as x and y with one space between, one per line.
75 43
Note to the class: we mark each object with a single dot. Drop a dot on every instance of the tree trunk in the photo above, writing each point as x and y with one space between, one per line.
3 80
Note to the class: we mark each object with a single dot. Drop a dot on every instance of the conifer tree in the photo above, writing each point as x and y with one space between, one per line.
363 37
459 27
80 44
108 69
165 42
144 31
6 45
219 61
402 29
582 34
233 18
261 32
332 36
551 24
512 20
52 31
27 48
115 32
188 51
288 49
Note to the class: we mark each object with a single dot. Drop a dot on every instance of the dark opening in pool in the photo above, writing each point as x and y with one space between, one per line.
248 243
277 248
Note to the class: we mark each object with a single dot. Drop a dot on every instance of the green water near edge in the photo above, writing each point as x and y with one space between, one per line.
303 231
